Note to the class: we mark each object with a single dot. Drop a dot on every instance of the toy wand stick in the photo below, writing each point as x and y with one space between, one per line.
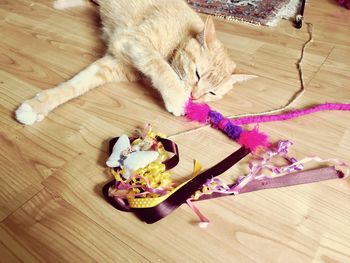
300 17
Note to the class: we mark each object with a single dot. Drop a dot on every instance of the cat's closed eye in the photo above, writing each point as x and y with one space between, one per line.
197 74
212 93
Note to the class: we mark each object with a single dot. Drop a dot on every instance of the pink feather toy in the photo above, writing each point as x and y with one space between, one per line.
252 139
204 114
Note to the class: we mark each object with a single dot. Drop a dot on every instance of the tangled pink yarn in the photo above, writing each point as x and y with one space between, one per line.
345 3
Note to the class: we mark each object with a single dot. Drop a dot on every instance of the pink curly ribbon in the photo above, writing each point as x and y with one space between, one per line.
258 166
293 113
279 175
297 178
203 221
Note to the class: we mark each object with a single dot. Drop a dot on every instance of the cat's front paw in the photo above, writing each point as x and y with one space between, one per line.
25 114
33 110
176 106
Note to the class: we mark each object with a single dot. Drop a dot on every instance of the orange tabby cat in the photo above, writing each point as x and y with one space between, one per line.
164 40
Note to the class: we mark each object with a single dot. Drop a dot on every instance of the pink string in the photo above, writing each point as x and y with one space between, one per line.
203 221
292 114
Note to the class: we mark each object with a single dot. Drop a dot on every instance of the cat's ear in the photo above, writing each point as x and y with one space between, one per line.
236 78
209 34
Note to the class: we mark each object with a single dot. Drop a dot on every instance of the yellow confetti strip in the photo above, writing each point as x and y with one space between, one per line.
206 190
146 202
155 173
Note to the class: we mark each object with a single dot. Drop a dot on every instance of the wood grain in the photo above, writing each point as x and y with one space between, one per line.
51 174
63 233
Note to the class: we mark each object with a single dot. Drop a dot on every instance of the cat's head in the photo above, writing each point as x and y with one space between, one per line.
205 68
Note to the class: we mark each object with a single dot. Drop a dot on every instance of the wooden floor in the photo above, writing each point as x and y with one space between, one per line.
51 174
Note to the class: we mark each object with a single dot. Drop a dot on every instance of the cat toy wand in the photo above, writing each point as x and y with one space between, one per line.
300 17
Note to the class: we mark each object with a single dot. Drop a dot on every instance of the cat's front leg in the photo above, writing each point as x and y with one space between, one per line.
157 69
104 70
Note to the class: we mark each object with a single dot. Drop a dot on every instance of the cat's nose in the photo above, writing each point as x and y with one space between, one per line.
197 99
195 95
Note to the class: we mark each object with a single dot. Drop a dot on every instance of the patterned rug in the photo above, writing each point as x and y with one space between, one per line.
260 12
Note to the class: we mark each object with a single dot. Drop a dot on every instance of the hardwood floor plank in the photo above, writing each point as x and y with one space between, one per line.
51 229
20 179
12 250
